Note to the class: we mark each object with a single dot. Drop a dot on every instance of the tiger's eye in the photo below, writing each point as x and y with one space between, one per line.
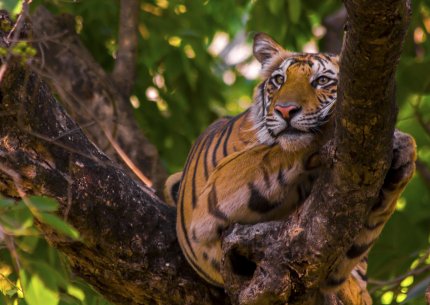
279 79
322 80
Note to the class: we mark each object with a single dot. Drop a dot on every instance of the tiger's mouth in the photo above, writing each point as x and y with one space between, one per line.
288 131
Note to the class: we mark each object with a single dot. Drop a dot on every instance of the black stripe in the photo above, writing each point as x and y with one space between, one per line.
281 178
301 191
333 282
214 161
193 235
327 58
184 183
374 226
196 167
358 250
207 148
201 273
261 88
184 230
212 205
361 274
174 191
186 167
319 60
245 119
220 138
303 62
258 203
227 137
216 265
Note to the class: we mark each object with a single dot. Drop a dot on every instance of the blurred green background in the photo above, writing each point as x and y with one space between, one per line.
195 64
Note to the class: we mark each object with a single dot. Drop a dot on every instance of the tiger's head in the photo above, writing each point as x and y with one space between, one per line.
295 100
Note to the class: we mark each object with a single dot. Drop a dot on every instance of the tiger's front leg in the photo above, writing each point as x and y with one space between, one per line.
401 171
252 186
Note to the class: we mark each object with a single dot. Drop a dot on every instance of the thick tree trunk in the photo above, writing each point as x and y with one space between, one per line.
129 250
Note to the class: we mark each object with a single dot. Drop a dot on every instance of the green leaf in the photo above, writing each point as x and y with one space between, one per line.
18 220
11 292
417 290
44 204
50 275
13 6
27 243
294 10
7 203
76 292
275 6
58 224
35 291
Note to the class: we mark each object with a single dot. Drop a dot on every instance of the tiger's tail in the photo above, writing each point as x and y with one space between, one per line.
171 189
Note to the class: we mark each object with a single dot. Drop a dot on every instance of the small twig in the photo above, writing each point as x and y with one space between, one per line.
123 155
10 282
17 27
8 240
124 72
396 281
13 36
110 135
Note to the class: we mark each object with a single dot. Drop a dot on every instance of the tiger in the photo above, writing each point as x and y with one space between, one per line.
261 164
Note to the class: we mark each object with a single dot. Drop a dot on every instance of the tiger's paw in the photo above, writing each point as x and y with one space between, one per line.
403 162
401 171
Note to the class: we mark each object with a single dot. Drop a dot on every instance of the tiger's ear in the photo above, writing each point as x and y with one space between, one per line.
265 48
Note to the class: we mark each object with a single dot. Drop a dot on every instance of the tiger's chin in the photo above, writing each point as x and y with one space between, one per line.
296 142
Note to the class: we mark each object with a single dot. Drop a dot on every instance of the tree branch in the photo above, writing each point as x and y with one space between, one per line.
129 250
124 72
91 96
334 25
341 198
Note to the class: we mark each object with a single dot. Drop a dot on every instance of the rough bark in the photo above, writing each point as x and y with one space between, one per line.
129 250
96 101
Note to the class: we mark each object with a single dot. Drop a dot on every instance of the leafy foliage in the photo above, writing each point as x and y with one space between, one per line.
195 65
32 272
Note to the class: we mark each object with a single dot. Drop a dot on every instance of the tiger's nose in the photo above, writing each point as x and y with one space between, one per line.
287 110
